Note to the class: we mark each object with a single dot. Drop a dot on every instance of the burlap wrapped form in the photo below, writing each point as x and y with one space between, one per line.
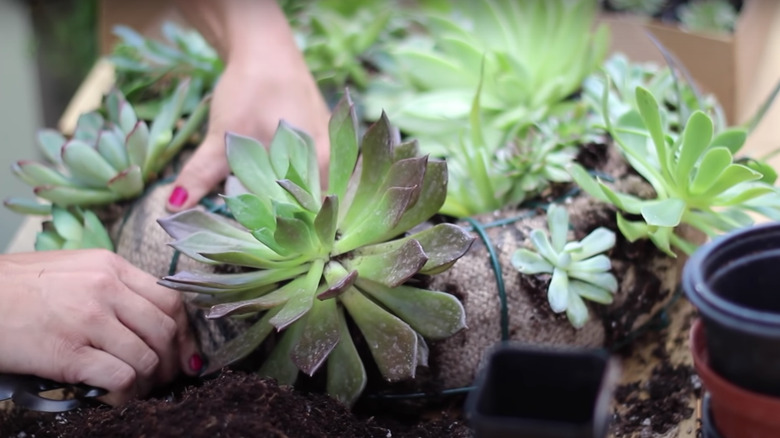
647 279
646 276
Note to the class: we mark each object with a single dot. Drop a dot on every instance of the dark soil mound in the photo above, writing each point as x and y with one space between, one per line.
235 404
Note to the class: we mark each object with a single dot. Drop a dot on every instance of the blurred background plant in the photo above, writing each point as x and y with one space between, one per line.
65 47
718 16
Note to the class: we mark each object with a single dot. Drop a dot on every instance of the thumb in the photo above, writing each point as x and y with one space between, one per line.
207 167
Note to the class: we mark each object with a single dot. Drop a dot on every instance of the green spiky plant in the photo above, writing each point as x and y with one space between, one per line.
148 71
72 228
312 259
579 269
696 179
528 55
107 159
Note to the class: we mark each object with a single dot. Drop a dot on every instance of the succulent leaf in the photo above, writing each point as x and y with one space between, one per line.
343 130
279 364
27 206
67 196
127 183
251 211
346 374
86 164
434 315
51 141
320 335
392 342
392 268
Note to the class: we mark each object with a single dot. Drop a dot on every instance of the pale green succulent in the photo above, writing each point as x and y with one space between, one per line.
528 55
485 177
694 175
619 78
579 269
72 228
149 70
718 16
106 160
313 259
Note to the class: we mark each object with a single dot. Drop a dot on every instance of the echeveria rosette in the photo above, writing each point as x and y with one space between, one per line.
107 159
695 177
579 269
312 259
72 228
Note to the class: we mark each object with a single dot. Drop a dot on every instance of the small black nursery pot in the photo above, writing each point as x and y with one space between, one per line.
525 391
734 281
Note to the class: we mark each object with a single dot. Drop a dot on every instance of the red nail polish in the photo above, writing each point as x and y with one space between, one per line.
178 196
196 362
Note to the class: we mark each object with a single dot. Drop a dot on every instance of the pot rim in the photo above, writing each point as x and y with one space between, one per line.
599 420
725 394
713 306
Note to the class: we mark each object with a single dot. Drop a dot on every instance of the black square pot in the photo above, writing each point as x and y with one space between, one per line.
528 391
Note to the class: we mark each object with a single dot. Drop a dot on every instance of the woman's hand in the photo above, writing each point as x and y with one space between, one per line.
89 316
265 80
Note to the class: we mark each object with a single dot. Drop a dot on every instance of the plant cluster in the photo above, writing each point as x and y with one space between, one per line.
149 70
312 260
342 41
107 159
579 269
695 177
526 57
718 16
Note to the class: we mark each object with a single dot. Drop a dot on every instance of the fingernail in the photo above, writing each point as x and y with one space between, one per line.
196 362
178 196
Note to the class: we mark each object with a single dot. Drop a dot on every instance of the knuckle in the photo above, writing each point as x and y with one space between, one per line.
103 281
93 313
148 363
168 329
74 369
172 303
123 378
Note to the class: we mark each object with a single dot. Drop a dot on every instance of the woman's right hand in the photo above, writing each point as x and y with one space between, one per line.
89 316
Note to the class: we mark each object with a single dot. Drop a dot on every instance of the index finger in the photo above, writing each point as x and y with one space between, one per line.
167 300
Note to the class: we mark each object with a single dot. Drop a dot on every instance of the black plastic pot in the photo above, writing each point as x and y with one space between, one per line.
734 281
525 391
